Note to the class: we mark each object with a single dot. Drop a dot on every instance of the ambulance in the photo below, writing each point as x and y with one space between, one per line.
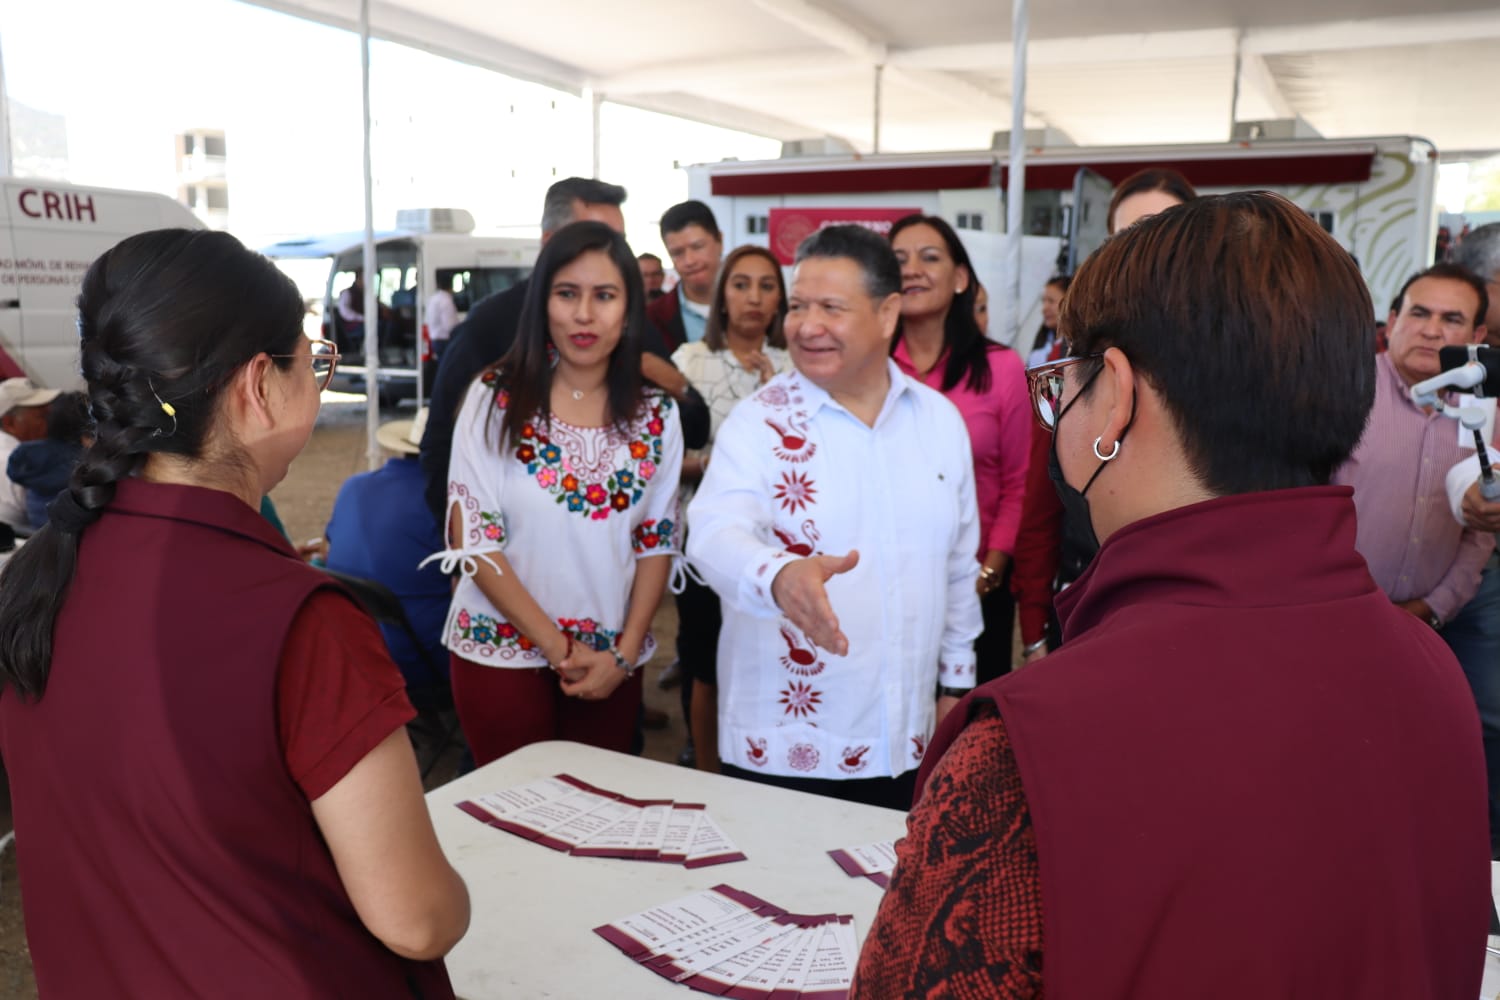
50 232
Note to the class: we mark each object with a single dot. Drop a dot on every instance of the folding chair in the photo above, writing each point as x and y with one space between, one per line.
431 697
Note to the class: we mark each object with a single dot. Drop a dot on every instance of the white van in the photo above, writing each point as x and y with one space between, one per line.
428 247
50 232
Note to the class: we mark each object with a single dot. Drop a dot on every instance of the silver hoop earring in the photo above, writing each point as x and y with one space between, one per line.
1105 458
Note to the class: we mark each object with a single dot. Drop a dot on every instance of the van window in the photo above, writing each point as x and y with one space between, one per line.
470 284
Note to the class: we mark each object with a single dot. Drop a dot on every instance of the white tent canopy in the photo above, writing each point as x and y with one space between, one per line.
1103 73
883 75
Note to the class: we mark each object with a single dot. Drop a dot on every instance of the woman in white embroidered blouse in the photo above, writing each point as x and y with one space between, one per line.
742 349
562 511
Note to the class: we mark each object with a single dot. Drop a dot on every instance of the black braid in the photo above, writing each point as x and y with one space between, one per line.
165 319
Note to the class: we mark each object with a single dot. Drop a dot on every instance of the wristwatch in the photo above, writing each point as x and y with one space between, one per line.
947 692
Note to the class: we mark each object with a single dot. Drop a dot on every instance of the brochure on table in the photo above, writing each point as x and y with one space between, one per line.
573 816
730 943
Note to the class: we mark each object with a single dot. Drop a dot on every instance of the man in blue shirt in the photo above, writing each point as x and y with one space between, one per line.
380 529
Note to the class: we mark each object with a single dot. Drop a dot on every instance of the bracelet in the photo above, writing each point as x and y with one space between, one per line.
1435 622
947 692
622 663
1032 647
568 649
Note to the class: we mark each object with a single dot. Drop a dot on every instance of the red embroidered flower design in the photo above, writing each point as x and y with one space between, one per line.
919 747
596 495
526 453
801 700
655 426
638 450
569 483
620 501
803 757
773 395
528 432
795 491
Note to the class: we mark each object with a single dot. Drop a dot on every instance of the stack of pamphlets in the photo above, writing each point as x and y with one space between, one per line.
729 943
570 815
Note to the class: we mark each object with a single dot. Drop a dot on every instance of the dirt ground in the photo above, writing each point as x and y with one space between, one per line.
304 499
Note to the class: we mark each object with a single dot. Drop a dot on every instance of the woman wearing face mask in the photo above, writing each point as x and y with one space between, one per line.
562 511
742 348
1044 346
1052 548
1192 777
939 344
214 791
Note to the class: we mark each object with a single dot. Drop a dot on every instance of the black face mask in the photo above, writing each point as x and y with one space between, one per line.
1076 517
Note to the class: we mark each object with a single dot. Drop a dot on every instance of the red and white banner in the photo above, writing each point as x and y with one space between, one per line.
788 227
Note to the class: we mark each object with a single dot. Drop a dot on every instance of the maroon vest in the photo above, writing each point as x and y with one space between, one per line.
163 848
1249 775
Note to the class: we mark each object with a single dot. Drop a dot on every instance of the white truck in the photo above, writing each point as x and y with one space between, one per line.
50 232
1376 196
427 247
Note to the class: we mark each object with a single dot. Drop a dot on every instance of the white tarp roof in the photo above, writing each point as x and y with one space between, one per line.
1102 71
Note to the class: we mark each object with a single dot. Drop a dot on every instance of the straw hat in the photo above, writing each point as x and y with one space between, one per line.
18 392
404 437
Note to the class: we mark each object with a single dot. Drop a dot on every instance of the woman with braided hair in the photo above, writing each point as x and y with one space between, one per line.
214 794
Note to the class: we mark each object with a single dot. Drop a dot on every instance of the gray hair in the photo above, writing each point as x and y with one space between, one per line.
557 208
1480 252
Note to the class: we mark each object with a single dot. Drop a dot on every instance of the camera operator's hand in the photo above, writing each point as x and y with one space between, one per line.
1479 513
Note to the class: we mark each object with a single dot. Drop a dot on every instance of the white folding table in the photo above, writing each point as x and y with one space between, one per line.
534 909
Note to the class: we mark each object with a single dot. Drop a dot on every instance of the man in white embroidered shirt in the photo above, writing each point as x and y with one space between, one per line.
837 523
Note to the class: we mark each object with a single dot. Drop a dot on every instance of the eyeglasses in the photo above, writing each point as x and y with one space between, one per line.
325 360
1046 383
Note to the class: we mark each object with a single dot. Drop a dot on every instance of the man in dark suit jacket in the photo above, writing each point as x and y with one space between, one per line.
488 331
692 238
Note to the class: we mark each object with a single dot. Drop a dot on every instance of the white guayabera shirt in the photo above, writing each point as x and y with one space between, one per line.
795 474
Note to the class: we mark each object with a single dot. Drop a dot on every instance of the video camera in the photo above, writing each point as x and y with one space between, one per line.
1475 369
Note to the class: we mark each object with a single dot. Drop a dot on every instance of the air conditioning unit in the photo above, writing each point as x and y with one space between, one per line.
826 146
1274 128
1035 137
434 220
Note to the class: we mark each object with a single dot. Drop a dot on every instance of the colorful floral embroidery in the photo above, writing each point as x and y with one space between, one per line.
616 491
492 527
653 534
505 637
487 631
588 632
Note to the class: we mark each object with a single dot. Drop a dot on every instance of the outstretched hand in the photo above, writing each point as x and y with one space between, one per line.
799 592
